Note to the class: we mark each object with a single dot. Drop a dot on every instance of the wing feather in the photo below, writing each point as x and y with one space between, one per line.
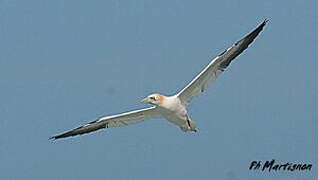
217 66
123 119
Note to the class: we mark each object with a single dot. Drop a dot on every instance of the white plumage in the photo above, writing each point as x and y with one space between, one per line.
173 108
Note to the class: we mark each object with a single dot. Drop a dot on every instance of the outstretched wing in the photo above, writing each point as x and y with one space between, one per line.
217 66
123 119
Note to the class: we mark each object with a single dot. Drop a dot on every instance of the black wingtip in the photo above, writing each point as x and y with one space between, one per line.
265 22
53 138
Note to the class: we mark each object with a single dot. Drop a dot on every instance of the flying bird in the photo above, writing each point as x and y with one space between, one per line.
172 108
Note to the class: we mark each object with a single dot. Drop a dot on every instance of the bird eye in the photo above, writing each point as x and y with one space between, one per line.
152 98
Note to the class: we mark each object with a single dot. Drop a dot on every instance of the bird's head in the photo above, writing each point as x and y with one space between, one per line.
155 99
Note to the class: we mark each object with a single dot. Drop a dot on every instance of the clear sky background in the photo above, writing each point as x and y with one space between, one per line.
66 63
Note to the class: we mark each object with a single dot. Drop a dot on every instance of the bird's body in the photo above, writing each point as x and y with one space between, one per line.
173 108
174 111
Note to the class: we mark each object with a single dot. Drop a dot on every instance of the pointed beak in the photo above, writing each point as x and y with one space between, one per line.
146 100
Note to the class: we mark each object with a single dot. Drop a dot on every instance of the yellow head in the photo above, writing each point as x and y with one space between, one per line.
155 99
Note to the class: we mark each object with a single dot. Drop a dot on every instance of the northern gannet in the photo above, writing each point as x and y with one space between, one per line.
173 108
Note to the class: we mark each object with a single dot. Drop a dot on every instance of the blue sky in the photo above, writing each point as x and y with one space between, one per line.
65 63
